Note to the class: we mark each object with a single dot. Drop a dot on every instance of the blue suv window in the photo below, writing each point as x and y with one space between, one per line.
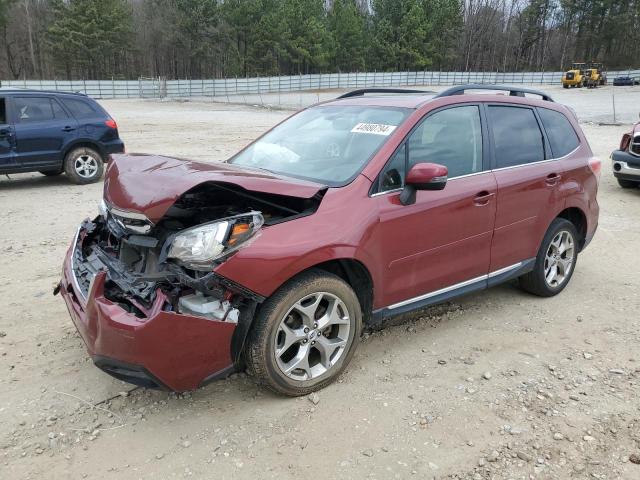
58 111
33 109
3 112
80 108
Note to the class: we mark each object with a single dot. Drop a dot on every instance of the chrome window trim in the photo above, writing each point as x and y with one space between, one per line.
456 286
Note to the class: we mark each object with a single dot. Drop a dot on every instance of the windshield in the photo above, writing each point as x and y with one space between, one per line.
327 144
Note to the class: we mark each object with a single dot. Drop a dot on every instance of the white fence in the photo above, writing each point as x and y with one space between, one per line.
160 88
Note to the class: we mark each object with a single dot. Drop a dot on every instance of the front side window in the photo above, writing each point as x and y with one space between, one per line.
33 109
561 135
451 137
328 144
392 176
517 136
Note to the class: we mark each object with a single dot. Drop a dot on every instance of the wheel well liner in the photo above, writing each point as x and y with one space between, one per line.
358 277
579 220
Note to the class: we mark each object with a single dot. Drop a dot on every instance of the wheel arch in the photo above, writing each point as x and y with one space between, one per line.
357 276
576 216
84 143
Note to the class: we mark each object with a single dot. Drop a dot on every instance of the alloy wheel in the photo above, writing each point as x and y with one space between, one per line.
86 165
559 258
312 336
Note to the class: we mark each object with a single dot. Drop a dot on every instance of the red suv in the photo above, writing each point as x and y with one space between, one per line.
347 213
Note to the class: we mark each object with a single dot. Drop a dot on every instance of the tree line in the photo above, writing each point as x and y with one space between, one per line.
93 39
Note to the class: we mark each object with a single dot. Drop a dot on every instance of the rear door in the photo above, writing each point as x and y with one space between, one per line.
528 181
7 157
42 129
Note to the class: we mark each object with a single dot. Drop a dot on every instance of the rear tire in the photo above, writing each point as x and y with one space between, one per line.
83 165
627 183
291 347
555 262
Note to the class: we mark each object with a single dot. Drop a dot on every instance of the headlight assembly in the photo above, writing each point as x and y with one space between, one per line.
198 247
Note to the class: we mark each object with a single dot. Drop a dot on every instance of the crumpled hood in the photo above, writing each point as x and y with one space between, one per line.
150 184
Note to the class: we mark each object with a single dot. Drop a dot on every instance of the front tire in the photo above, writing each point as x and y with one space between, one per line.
83 165
305 334
627 183
555 262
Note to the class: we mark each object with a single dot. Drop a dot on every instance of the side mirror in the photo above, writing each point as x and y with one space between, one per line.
423 176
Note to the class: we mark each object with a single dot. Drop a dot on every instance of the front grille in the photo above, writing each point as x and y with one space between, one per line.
635 146
131 222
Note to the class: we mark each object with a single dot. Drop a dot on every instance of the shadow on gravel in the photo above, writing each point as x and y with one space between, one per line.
22 181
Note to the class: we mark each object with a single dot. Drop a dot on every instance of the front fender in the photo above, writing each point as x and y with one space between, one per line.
282 251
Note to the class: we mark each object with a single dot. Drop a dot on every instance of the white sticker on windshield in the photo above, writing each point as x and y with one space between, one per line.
375 128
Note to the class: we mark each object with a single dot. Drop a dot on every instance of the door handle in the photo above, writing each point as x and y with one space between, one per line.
68 129
5 133
483 198
552 179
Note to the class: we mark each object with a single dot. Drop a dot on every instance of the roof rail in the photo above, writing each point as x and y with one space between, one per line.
363 91
513 91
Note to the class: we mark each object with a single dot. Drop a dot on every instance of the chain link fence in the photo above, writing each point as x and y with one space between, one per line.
227 88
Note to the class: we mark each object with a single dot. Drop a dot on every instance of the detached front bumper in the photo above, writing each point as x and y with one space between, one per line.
165 350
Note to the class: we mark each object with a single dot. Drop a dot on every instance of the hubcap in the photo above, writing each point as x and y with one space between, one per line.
559 259
86 166
312 336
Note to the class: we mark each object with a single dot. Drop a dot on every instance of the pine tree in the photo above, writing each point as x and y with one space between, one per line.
89 37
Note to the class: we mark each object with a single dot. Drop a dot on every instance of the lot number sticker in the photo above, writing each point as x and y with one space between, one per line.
374 128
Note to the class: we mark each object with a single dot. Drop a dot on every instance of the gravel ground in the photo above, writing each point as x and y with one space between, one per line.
498 384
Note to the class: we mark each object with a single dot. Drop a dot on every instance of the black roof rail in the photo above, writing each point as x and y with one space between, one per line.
22 90
513 91
362 91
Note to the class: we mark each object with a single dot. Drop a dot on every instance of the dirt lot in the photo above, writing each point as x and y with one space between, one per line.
496 385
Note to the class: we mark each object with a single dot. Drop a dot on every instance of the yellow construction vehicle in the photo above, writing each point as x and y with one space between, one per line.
595 75
575 77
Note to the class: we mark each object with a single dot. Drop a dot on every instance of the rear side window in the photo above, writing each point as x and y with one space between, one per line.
33 109
561 135
3 112
80 108
517 136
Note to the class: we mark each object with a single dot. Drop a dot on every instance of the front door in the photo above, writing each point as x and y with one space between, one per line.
443 241
42 129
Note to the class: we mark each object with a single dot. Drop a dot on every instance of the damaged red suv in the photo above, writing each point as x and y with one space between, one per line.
349 212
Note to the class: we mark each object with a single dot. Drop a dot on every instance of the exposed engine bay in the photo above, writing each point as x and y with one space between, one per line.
175 256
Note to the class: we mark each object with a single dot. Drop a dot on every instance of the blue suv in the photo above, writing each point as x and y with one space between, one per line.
54 132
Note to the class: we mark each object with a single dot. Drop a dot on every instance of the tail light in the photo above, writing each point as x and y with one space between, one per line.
596 167
111 123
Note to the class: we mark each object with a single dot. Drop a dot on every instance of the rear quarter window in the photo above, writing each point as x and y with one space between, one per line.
81 108
3 112
561 135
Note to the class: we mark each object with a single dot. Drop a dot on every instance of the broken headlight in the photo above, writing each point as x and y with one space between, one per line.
198 247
